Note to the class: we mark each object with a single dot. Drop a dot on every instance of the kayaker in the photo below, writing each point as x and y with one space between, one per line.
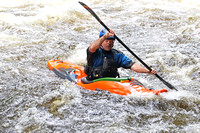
103 60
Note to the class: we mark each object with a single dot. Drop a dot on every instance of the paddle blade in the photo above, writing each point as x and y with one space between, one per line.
90 10
166 83
169 85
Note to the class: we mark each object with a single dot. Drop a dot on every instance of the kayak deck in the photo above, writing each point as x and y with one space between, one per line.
121 86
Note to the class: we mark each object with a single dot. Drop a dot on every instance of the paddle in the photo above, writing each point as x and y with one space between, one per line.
98 19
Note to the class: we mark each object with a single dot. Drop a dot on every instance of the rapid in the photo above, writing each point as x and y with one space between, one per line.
165 34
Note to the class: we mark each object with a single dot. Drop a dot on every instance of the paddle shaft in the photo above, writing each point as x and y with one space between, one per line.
99 20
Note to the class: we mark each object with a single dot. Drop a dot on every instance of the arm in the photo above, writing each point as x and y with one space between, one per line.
96 44
139 69
125 62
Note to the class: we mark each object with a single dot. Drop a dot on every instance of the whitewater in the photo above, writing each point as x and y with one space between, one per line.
165 34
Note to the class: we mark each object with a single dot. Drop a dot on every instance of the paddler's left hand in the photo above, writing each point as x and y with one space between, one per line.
153 71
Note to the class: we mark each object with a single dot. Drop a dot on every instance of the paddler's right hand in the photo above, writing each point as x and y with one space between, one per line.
109 34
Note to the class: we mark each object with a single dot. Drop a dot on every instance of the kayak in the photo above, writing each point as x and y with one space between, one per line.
121 86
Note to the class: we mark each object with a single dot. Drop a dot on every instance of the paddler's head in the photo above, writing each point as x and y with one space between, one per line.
109 42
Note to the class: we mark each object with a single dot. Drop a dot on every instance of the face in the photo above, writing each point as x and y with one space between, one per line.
107 44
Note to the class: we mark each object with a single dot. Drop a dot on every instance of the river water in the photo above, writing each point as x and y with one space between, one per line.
163 33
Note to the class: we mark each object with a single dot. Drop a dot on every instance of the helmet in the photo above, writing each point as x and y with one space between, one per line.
103 32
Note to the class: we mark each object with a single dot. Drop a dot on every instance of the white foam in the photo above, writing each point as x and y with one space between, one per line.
177 95
79 57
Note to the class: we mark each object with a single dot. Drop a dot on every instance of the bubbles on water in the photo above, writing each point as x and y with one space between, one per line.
49 109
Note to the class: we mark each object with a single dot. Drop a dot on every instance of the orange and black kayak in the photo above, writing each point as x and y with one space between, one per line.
121 86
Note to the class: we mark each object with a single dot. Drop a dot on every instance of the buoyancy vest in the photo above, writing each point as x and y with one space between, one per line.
107 69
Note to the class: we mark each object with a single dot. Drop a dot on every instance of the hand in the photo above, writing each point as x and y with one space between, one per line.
152 72
109 34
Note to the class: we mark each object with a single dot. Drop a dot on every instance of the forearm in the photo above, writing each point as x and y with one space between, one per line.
139 69
96 44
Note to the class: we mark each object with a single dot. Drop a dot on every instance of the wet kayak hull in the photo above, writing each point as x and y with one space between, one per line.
75 73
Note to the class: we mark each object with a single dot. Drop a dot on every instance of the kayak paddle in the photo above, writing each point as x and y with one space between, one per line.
149 68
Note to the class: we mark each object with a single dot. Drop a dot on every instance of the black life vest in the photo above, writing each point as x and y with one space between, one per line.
107 69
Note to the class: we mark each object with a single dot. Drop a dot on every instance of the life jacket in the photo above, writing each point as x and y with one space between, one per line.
107 69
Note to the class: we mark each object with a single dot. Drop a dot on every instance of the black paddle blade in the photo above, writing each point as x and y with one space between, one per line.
166 83
169 85
90 10
94 15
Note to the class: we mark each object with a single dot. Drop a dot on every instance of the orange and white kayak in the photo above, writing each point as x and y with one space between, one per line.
121 86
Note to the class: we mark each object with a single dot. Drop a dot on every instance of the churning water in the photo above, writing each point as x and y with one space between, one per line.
163 33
